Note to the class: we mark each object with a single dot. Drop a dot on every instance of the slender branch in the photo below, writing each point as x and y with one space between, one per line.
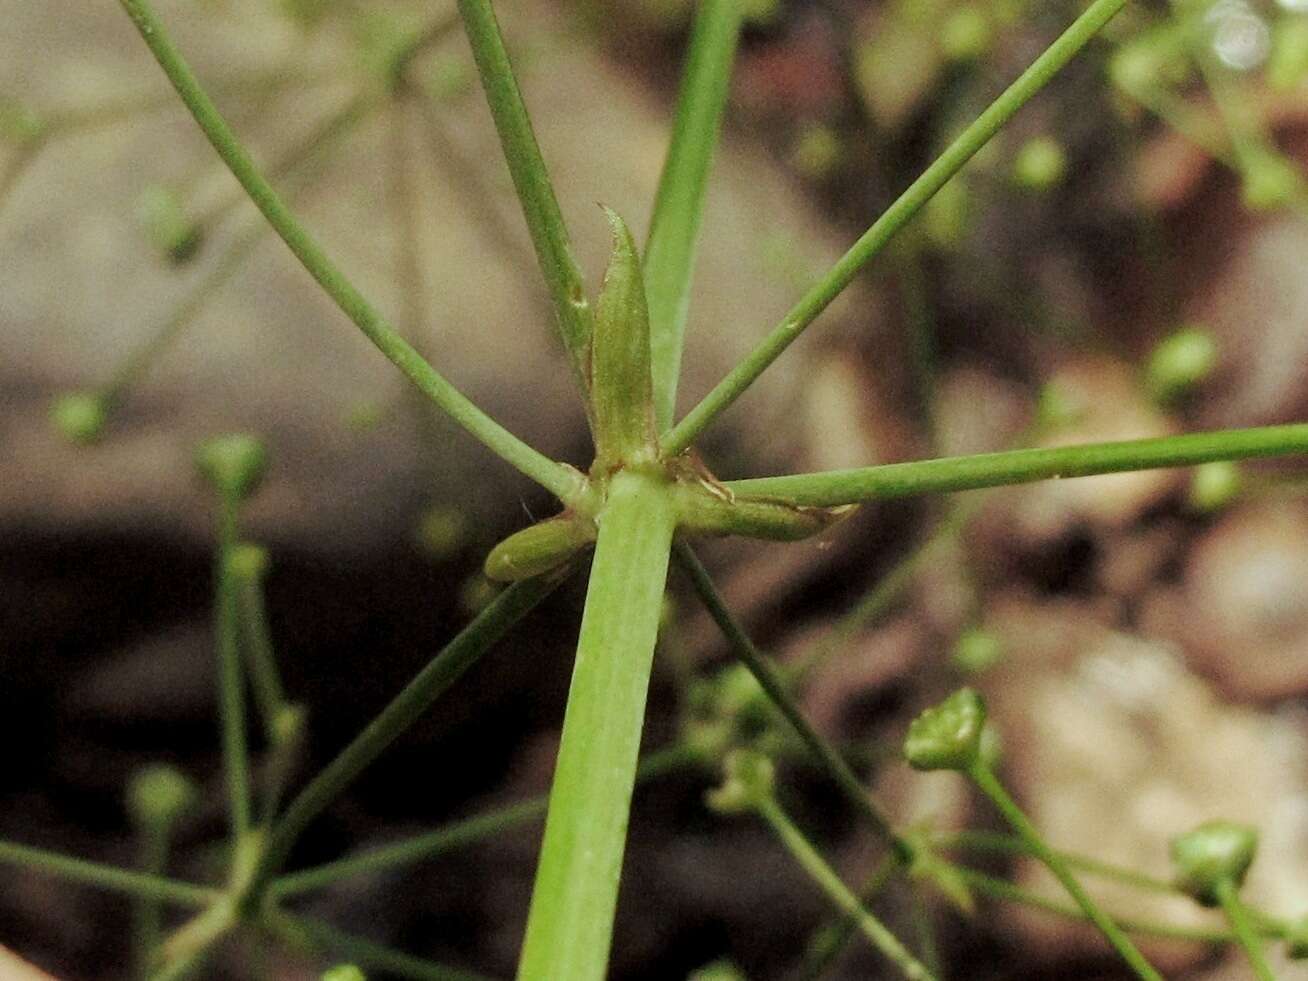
674 227
555 477
891 221
549 233
1242 926
100 876
569 927
231 680
452 836
405 709
1024 466
775 686
828 940
821 873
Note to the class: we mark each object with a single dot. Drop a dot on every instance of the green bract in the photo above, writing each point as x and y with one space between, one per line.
540 548
947 736
1213 853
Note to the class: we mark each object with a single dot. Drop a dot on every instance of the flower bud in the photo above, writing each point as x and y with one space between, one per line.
158 794
1213 853
1296 939
717 971
234 464
1040 164
965 34
344 972
79 416
1270 181
540 548
167 225
976 650
947 736
750 777
1180 362
1214 485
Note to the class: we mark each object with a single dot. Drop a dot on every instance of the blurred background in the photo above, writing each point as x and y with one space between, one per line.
1127 259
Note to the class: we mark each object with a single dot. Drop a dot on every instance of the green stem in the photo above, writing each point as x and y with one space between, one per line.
307 931
265 679
549 233
770 679
570 924
405 709
1241 925
107 877
830 939
231 681
147 918
555 477
452 836
1024 466
990 786
891 221
678 207
820 872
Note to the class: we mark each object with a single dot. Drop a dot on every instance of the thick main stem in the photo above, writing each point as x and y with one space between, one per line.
571 920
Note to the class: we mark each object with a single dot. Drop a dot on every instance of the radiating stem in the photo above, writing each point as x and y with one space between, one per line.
678 207
891 221
106 876
570 924
231 680
1241 925
555 477
961 473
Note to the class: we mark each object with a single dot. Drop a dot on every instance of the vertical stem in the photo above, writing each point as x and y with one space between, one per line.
678 206
1243 928
821 873
147 915
571 920
231 686
992 788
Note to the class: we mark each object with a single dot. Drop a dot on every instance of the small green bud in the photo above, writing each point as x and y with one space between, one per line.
288 724
544 546
816 152
717 971
976 650
1040 164
344 972
622 391
248 561
1296 939
19 124
750 777
1287 67
1057 407
442 531
1134 67
947 736
1214 852
965 35
158 794
1214 485
234 464
167 225
1270 181
1180 362
80 417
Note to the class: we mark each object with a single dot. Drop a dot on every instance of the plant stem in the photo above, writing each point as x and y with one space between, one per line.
452 836
821 873
678 206
107 877
891 221
828 940
1245 934
990 786
1023 466
405 709
549 233
147 929
305 930
555 477
231 681
569 927
770 679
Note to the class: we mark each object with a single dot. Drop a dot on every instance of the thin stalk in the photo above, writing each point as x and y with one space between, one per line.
265 679
891 221
828 940
555 477
540 208
305 930
772 682
1242 926
453 836
991 787
1001 889
961 473
569 927
405 709
820 872
107 877
147 916
678 206
231 678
